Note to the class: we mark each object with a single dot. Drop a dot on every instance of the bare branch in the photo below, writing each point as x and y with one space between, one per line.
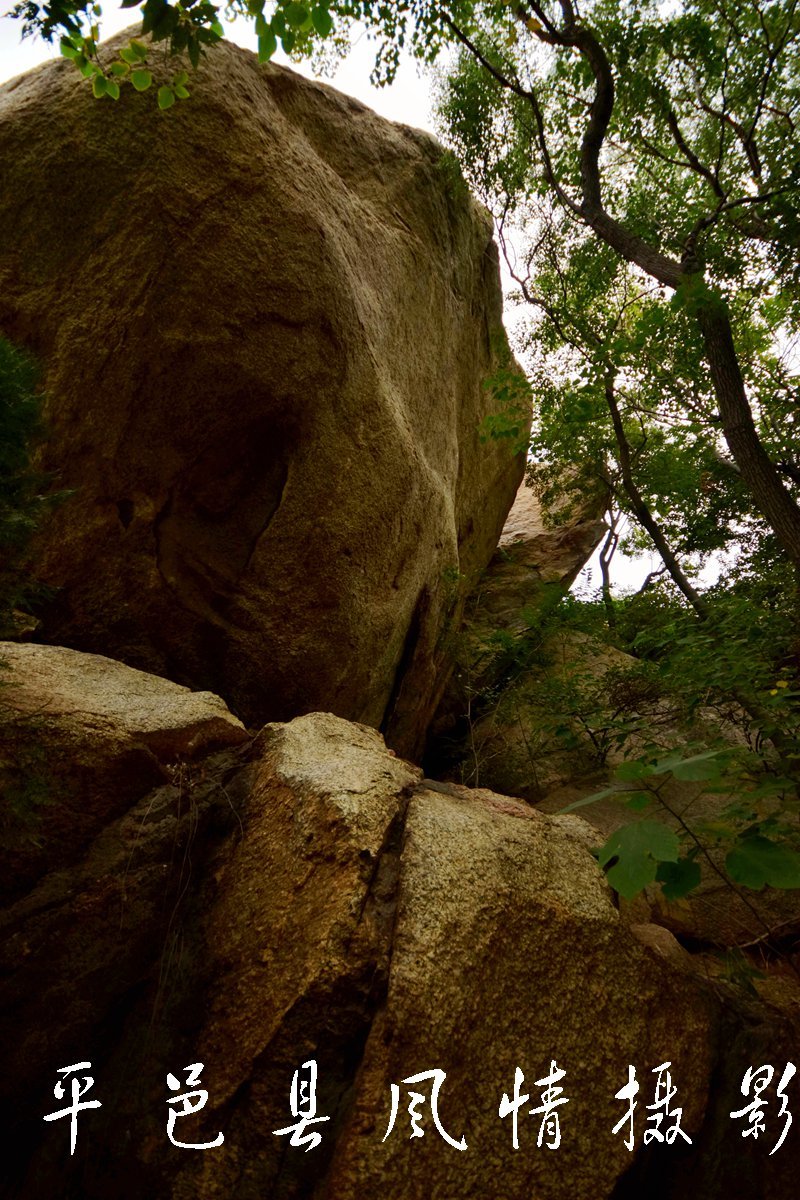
712 177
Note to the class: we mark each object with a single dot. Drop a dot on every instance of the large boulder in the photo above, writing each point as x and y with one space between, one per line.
537 547
266 317
82 738
312 897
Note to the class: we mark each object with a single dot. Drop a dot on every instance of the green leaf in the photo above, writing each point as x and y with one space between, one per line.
181 79
68 50
99 86
630 876
677 757
638 848
139 49
678 879
586 800
119 68
296 15
756 862
130 3
141 80
323 21
288 41
630 772
181 92
639 801
267 45
112 89
699 768
159 18
166 97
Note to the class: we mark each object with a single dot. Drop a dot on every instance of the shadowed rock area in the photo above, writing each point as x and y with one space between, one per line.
537 560
310 896
81 736
266 320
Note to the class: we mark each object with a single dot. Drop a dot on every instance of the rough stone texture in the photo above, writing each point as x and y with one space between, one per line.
266 318
535 563
321 900
522 740
81 738
533 551
509 953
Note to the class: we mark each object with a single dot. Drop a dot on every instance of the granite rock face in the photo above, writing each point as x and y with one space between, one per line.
266 319
82 737
534 551
476 735
309 896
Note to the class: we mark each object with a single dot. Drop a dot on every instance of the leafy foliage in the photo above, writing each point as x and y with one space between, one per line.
185 28
510 394
631 855
758 825
683 754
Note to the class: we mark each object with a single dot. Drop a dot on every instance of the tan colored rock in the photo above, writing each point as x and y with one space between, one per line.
324 902
549 724
509 953
66 687
454 930
544 549
81 738
266 318
535 562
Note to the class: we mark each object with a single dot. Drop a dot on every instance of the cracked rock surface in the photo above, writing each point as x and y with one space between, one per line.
265 327
309 895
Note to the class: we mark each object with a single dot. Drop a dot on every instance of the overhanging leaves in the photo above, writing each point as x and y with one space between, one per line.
757 862
632 854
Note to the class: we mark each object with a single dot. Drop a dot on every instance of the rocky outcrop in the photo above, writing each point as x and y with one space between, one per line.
533 551
537 560
266 318
81 739
309 896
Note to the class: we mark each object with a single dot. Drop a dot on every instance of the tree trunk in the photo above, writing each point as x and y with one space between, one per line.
758 471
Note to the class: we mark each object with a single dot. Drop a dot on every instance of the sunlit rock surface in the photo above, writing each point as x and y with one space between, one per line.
266 319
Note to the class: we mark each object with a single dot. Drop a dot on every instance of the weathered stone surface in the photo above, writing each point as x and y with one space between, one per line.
265 319
509 953
476 735
547 724
322 901
82 738
533 551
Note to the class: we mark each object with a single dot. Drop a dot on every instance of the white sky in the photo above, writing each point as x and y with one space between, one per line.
407 100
